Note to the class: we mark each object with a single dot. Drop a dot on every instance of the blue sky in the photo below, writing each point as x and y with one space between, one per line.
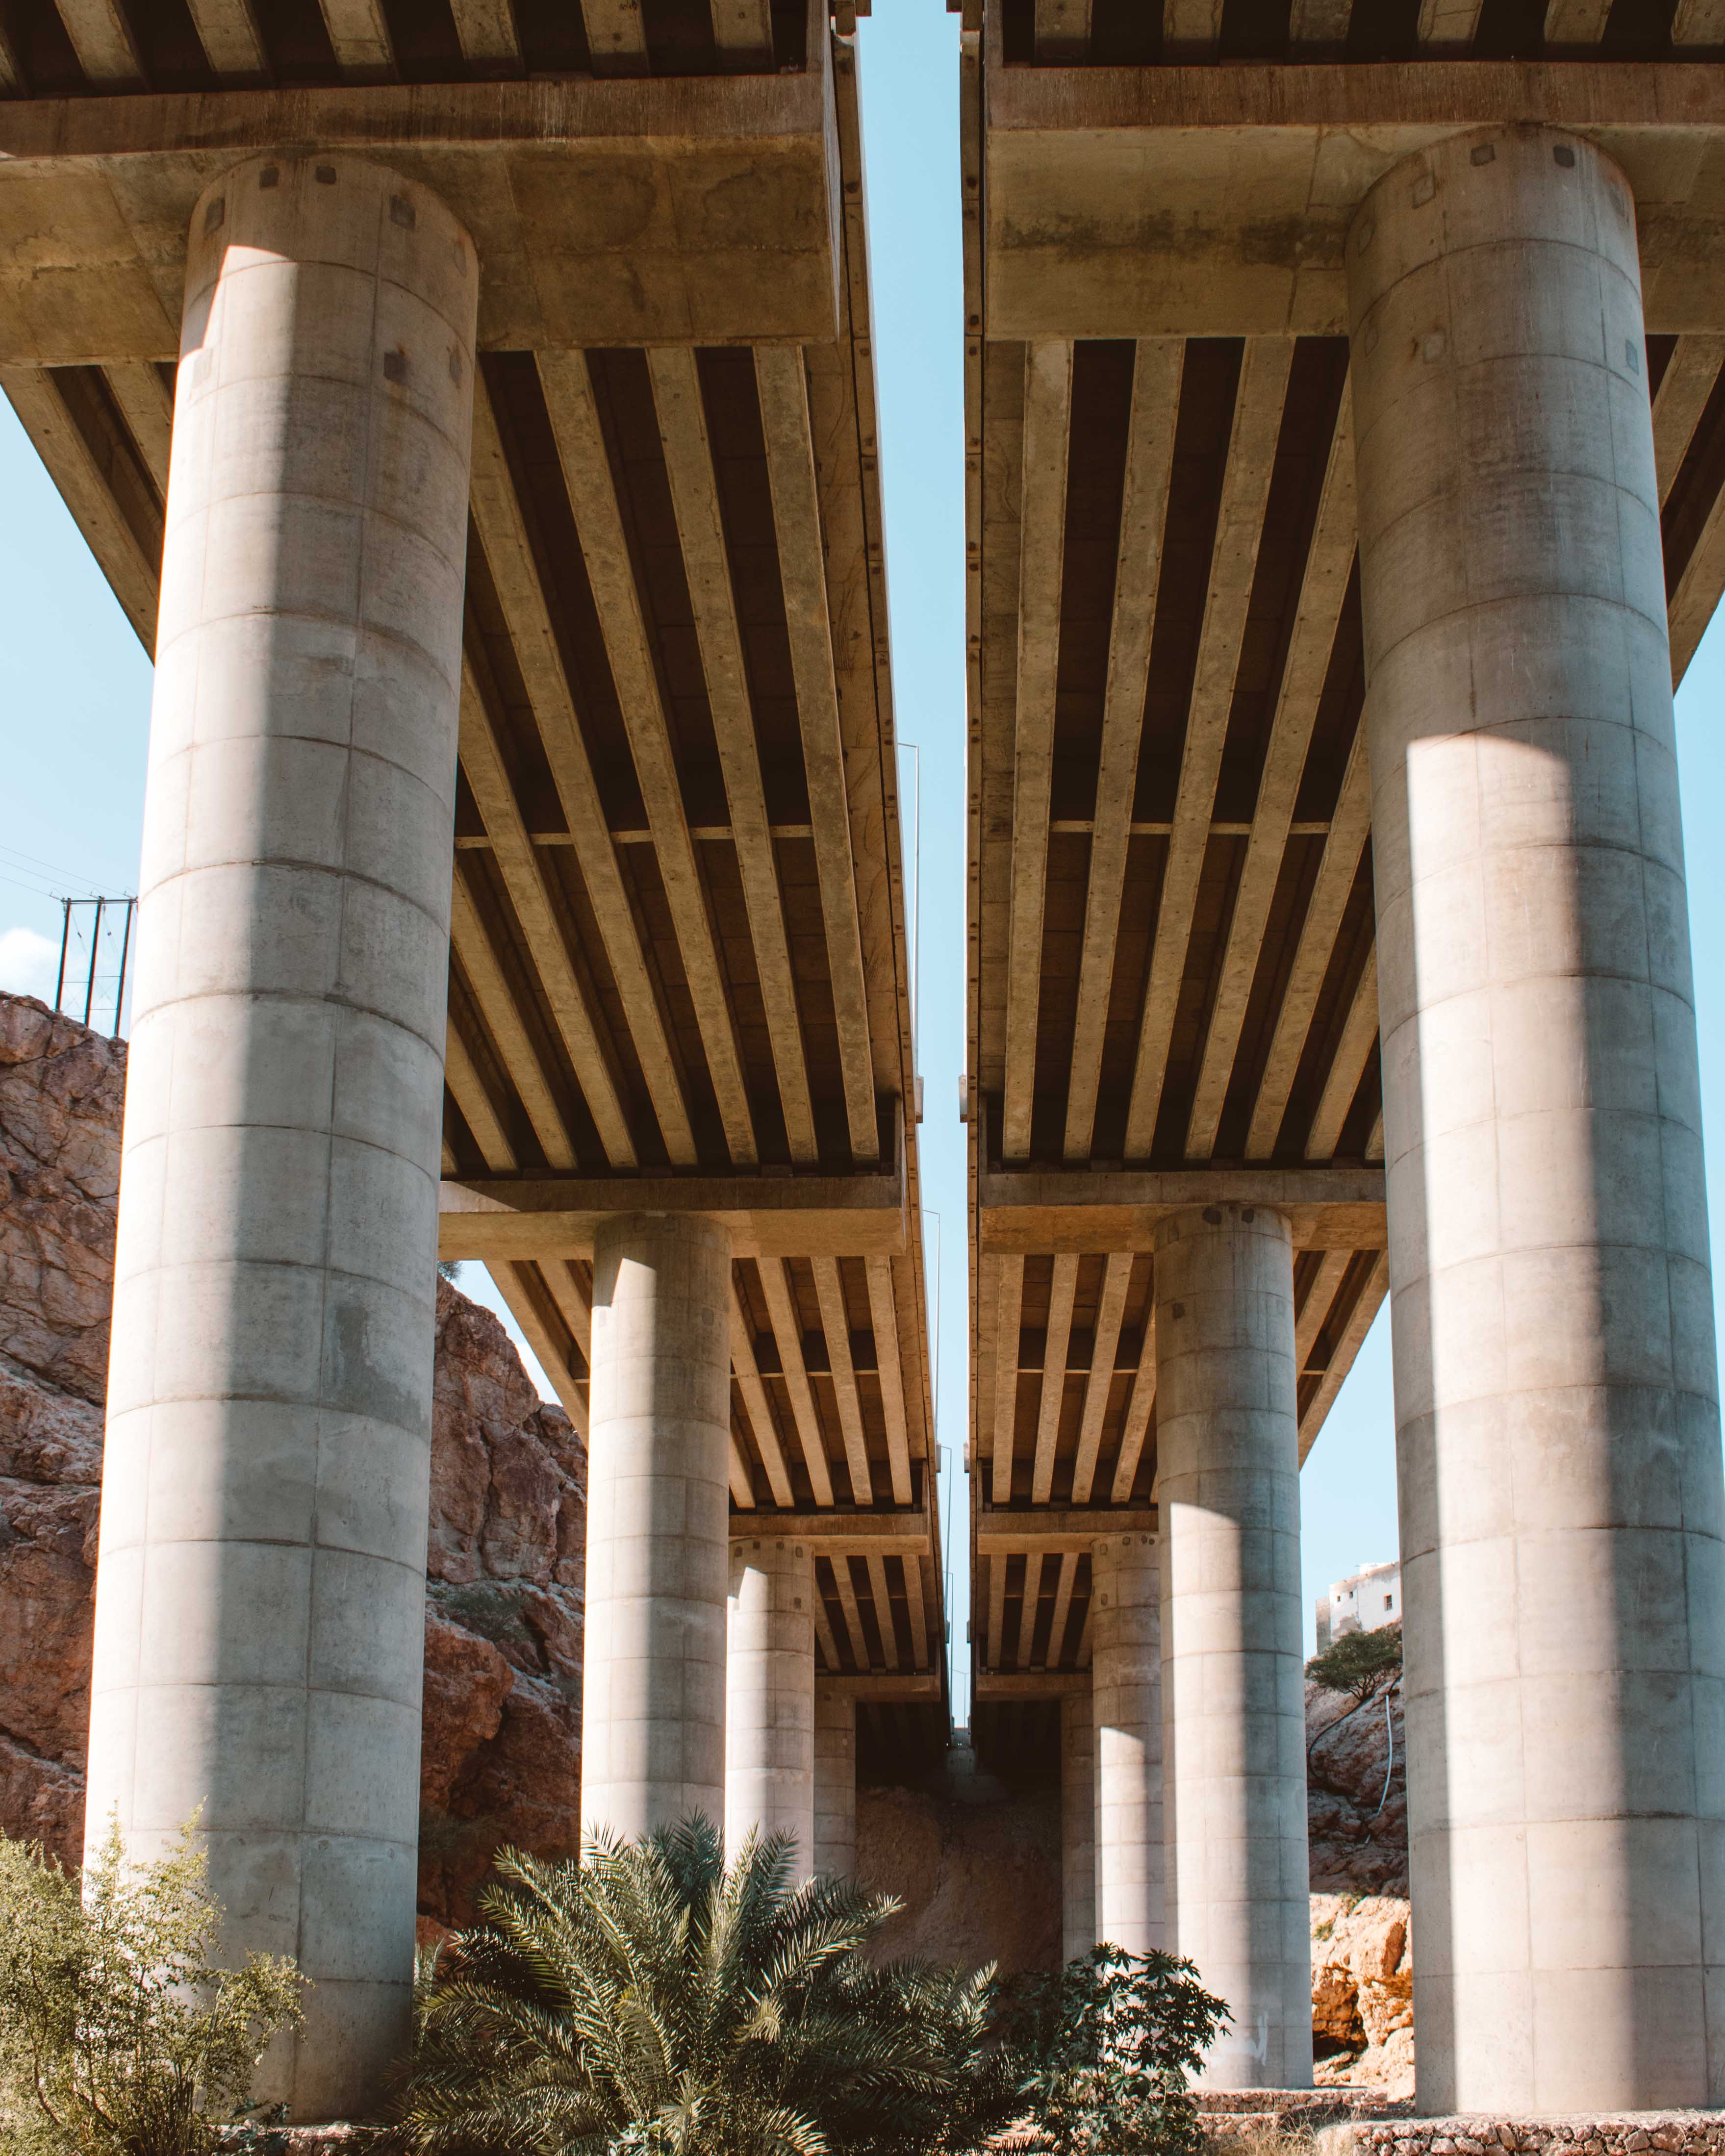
75 704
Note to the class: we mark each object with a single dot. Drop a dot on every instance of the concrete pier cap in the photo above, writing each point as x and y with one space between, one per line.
260 1624
1557 1428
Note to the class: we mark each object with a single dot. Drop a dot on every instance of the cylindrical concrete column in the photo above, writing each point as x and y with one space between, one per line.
835 1784
1556 1388
769 1694
261 1609
1126 1692
1233 1697
658 1541
1078 1824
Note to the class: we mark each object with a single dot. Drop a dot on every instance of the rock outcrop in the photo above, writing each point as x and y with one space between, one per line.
1357 1792
507 1561
1362 1935
1362 1991
501 1758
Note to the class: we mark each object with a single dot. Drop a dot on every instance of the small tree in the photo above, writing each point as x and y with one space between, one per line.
1356 1661
119 2034
1102 2052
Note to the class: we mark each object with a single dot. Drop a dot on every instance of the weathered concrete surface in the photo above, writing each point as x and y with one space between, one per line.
260 1604
1233 1728
1125 1690
1215 202
605 213
653 1729
769 1696
1362 1991
1561 1494
1078 1824
834 1782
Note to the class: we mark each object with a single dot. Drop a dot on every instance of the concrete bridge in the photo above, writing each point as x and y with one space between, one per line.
472 406
1343 425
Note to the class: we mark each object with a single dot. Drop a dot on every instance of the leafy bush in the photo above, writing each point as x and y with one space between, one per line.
1101 2054
654 2000
1356 1661
119 2035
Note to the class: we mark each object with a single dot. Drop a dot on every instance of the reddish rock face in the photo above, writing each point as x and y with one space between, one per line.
500 1759
502 1754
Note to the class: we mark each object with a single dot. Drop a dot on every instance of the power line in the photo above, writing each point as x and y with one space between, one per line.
35 861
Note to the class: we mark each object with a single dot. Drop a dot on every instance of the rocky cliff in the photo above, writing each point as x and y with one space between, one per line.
1362 1927
1357 1791
1362 1991
503 1605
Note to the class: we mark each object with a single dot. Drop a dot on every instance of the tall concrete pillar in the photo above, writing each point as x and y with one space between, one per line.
658 1536
260 1610
1232 1695
1125 1691
1557 1426
769 1694
835 1784
1078 1824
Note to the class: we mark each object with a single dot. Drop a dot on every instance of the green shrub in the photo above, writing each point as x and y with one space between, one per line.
119 2035
653 1998
1356 1661
1101 2054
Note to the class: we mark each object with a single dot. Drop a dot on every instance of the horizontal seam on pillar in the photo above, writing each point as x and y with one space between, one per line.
347 875
287 996
301 1130
317 1834
271 1541
300 1689
1518 599
376 632
361 509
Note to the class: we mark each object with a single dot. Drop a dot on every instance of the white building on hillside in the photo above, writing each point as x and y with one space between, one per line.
1365 1602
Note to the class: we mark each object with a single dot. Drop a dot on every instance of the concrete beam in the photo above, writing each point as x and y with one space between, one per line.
1029 1684
1048 1529
1255 170
843 1534
554 1216
1097 1210
902 1685
671 210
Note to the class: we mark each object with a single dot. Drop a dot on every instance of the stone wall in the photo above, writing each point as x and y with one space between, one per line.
501 1759
1477 2133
